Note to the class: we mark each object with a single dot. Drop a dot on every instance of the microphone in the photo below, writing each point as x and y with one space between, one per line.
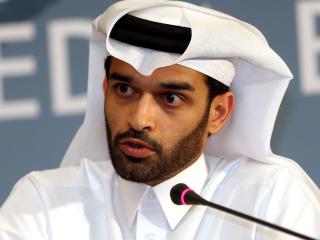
181 194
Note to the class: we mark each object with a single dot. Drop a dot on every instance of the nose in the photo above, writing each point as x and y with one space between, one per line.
143 116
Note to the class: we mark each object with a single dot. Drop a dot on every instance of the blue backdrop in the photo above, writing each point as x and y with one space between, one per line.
43 71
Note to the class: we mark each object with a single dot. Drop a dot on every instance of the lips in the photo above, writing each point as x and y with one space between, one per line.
135 148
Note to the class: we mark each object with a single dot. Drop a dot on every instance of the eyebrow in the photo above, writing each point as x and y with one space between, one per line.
169 85
177 86
119 77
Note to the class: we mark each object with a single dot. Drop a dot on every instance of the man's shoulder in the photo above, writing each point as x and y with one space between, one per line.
88 174
59 202
285 172
247 171
253 171
259 188
279 179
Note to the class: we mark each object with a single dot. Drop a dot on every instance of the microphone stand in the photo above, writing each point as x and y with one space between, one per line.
190 197
262 222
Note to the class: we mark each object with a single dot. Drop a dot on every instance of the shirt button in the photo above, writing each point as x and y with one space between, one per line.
151 195
149 236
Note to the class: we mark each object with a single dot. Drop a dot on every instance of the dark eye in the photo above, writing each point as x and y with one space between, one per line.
172 99
124 89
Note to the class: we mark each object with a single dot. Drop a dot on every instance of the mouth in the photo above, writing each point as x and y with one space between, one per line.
135 148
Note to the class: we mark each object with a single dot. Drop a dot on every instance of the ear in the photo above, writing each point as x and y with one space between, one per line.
220 111
105 85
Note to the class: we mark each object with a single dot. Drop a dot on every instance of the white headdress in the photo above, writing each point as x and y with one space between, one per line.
222 47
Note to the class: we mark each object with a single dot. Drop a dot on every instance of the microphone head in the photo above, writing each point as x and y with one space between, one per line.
178 192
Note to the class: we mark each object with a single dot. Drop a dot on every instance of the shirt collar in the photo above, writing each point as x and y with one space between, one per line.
131 193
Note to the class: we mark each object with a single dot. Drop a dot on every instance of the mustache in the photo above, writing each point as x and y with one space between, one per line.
142 136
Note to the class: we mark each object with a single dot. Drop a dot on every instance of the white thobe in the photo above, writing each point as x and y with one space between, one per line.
90 201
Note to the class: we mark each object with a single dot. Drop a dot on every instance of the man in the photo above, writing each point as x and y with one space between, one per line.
158 97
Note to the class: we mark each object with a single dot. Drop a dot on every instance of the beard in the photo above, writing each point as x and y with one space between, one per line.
161 164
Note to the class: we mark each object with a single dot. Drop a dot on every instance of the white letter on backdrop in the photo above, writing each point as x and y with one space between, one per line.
59 32
309 46
17 66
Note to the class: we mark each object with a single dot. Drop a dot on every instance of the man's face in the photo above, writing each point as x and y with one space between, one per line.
157 124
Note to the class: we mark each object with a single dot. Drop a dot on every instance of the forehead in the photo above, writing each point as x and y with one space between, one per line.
176 73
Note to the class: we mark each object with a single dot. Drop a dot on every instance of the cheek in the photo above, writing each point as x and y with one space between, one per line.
116 117
180 123
172 130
